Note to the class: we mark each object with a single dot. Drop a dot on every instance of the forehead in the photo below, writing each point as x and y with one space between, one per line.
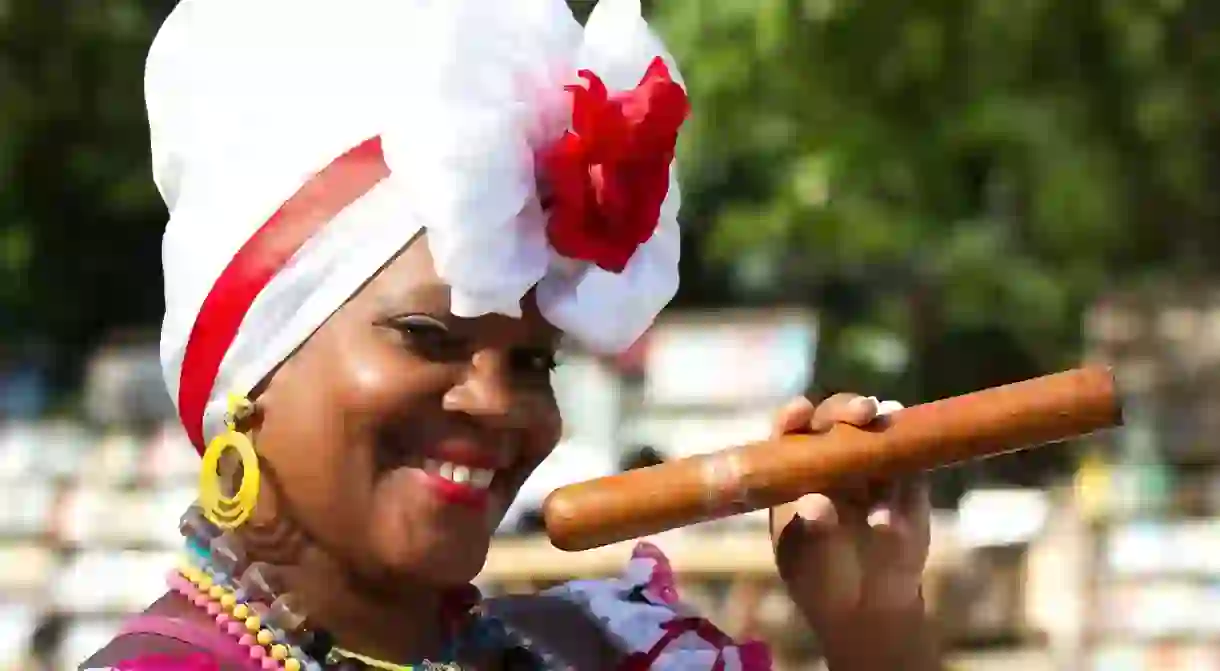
410 282
409 278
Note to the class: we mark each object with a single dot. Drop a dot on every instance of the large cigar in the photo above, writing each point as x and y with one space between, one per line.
764 474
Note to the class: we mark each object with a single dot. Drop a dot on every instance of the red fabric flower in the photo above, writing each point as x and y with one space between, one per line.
609 174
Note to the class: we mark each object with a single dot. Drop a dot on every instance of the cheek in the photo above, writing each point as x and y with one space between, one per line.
545 431
320 434
539 441
307 444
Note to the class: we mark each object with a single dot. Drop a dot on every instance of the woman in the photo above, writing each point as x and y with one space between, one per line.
361 346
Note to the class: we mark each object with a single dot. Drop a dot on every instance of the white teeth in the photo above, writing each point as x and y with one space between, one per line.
463 475
481 477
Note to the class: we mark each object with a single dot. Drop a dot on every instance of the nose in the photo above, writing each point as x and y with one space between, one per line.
487 392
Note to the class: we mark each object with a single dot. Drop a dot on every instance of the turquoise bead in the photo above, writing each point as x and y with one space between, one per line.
199 551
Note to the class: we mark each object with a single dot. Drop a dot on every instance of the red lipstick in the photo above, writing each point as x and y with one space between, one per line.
456 493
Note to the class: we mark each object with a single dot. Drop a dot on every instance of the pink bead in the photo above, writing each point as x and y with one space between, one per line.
257 652
223 619
237 628
270 664
202 600
213 609
247 640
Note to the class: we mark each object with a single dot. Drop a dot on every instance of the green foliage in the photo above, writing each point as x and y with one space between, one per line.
972 164
924 169
80 221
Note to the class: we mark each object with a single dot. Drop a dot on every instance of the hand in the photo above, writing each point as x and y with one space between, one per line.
852 558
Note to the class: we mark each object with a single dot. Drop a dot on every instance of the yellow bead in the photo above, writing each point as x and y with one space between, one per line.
241 611
265 637
228 601
292 665
279 652
216 592
253 624
205 583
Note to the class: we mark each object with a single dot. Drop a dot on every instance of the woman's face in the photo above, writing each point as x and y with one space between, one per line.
399 434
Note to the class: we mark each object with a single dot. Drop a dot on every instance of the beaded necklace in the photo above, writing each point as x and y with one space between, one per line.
214 576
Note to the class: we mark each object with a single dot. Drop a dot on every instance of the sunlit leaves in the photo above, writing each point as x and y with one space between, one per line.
1015 155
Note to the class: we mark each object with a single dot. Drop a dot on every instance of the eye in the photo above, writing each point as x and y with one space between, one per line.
428 336
536 361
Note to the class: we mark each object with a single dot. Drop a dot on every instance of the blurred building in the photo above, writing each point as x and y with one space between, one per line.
1153 491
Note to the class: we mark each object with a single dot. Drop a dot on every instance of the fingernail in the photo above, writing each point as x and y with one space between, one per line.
888 407
863 404
881 516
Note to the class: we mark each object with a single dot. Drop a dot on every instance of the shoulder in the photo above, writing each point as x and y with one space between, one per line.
140 652
637 621
163 638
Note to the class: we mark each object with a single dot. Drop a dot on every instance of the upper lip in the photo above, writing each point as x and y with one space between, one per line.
460 443
495 454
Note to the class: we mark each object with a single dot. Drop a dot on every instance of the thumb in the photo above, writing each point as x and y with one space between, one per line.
819 565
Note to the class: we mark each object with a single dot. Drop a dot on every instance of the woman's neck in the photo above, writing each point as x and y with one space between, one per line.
402 624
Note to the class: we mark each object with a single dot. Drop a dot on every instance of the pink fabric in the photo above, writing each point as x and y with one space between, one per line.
217 644
199 662
661 583
754 655
659 632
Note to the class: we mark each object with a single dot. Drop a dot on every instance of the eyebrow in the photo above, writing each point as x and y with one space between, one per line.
430 296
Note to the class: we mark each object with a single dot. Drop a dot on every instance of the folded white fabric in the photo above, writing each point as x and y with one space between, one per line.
249 101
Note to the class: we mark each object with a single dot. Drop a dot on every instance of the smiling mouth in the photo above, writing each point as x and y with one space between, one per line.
459 474
459 484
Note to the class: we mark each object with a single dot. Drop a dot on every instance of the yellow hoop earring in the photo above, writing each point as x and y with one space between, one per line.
230 512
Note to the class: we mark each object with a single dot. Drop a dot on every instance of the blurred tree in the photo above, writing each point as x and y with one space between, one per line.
965 174
964 163
79 217
919 170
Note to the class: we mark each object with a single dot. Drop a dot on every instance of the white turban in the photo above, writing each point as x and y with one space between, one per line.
299 145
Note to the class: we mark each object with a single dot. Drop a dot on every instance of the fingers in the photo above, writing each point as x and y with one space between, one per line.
895 512
895 502
816 511
899 523
885 506
882 506
845 409
814 560
806 516
795 417
914 509
800 415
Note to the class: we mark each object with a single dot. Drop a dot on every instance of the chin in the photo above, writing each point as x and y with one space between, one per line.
454 572
423 533
445 559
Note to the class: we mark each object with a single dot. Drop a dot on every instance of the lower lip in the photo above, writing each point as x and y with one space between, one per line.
454 493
